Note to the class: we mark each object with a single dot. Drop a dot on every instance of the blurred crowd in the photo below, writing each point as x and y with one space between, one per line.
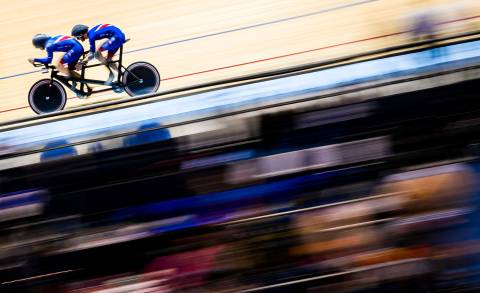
413 230
366 197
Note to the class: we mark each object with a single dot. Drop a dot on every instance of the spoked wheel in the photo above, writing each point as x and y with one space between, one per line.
47 96
141 78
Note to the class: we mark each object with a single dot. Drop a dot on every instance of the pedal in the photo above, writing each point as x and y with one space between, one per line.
89 91
79 94
116 88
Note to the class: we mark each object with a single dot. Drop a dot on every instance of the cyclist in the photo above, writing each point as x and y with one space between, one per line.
115 39
72 48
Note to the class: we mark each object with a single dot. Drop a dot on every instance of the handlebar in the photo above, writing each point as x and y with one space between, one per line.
46 66
83 59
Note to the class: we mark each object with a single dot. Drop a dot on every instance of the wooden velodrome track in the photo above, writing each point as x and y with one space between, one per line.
197 41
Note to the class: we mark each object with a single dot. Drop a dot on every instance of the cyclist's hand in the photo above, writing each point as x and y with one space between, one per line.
30 60
79 66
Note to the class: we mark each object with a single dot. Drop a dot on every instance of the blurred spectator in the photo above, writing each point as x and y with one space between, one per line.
424 20
95 147
148 133
189 269
432 188
61 150
424 24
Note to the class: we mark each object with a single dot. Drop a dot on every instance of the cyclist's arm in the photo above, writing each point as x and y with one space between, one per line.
92 44
46 60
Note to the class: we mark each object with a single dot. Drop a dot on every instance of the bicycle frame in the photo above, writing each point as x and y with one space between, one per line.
84 81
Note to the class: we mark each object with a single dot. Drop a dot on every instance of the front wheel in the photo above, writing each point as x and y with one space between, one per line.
47 96
141 78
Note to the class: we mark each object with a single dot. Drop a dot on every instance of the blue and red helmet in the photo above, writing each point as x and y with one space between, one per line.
79 30
40 40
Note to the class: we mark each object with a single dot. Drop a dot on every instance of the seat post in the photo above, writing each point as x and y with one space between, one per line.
120 57
82 85
120 64
52 76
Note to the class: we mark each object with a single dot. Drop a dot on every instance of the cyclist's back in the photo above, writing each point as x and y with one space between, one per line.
105 31
60 43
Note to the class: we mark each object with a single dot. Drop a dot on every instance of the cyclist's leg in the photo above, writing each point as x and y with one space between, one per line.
111 46
68 62
99 54
67 66
102 59
62 67
110 55
113 49
65 69
73 60
105 59
73 73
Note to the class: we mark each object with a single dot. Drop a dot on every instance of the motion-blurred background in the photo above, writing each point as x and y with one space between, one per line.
342 156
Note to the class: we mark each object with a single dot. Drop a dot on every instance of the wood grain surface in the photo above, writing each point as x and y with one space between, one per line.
198 41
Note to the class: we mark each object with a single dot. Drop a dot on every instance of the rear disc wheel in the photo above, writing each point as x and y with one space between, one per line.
141 78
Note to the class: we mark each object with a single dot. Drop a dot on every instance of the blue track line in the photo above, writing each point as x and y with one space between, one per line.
256 25
323 11
19 74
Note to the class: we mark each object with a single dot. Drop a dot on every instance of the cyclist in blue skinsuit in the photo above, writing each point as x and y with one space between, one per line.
115 39
72 48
